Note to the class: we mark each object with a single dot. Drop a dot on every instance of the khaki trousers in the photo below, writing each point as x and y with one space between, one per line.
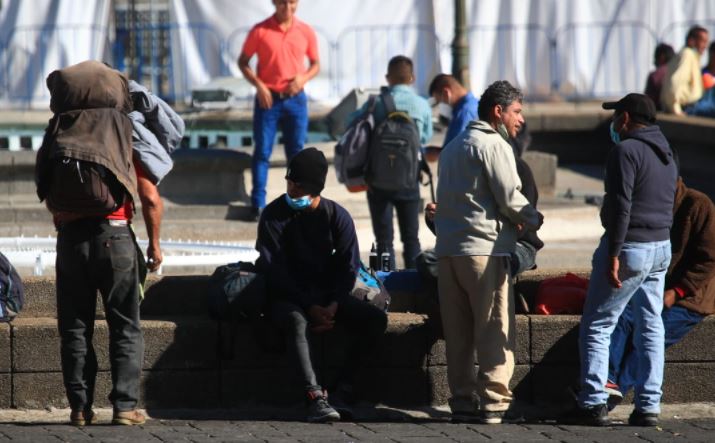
478 314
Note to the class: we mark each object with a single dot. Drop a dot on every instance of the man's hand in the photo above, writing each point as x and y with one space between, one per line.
154 257
265 99
322 317
669 298
430 211
295 85
613 266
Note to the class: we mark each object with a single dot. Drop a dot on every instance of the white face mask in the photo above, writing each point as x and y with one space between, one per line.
445 110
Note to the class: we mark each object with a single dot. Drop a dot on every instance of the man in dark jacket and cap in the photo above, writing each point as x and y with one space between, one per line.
309 254
630 262
689 285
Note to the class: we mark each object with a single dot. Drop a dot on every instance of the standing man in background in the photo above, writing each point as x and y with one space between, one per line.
281 43
455 102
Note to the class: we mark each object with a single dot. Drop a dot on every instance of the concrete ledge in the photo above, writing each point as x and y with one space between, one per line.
185 367
206 176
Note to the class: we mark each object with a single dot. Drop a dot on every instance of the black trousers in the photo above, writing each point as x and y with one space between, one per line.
364 324
94 256
407 205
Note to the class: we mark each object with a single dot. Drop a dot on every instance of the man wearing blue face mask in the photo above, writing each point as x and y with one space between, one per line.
630 262
309 253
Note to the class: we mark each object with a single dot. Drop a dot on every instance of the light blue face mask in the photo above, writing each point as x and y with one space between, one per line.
616 137
300 203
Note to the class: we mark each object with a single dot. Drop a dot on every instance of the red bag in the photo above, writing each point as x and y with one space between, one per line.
561 295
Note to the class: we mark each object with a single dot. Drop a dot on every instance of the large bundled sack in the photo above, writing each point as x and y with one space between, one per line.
84 166
88 85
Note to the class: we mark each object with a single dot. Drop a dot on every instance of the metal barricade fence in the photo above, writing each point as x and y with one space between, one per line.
575 61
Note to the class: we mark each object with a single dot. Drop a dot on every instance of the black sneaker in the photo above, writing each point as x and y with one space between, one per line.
638 418
463 410
342 399
593 416
254 214
491 417
319 410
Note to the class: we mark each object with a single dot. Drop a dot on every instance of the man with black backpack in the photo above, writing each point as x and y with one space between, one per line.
86 174
403 123
309 255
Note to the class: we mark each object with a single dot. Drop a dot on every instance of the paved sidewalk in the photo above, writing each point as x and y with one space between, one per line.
688 423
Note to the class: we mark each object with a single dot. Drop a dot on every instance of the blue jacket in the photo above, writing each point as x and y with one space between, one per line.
640 189
464 111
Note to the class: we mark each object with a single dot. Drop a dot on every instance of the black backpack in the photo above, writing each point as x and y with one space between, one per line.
394 159
236 293
12 292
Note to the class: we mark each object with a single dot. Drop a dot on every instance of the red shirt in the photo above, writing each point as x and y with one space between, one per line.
281 54
126 211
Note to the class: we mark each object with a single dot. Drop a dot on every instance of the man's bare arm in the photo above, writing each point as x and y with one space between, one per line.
265 100
152 210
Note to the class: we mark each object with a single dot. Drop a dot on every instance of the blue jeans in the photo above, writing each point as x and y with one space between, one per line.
642 274
623 365
292 114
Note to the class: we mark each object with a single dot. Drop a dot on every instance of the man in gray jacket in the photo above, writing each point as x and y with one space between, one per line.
481 211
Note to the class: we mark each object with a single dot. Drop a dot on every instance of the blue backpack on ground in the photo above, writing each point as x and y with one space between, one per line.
370 289
12 292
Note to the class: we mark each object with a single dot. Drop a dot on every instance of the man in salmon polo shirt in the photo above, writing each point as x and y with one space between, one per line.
282 43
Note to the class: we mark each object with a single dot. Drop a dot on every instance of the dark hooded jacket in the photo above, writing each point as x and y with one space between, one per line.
692 267
640 189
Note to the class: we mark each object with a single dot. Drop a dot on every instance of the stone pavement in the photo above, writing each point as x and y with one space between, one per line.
225 426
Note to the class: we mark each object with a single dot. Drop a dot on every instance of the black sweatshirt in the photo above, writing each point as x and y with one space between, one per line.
310 257
640 189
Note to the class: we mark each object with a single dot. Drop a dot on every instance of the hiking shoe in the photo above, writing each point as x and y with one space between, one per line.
83 418
593 416
615 396
638 418
319 410
128 418
342 399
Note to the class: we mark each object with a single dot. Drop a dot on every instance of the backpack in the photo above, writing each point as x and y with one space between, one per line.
236 292
561 295
12 292
351 152
83 187
395 150
370 289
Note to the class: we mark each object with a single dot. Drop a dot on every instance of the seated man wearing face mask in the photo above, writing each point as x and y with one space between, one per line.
455 102
309 253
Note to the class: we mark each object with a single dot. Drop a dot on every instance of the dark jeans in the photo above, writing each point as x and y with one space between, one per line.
94 256
623 364
364 325
407 205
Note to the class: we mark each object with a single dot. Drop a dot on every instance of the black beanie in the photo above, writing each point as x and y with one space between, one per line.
308 168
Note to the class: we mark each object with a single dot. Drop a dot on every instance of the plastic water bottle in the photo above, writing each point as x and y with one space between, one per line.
373 263
385 260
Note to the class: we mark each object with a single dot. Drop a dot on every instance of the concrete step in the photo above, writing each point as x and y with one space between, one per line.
182 367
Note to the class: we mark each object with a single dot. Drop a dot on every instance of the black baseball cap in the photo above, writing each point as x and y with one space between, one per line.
638 104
